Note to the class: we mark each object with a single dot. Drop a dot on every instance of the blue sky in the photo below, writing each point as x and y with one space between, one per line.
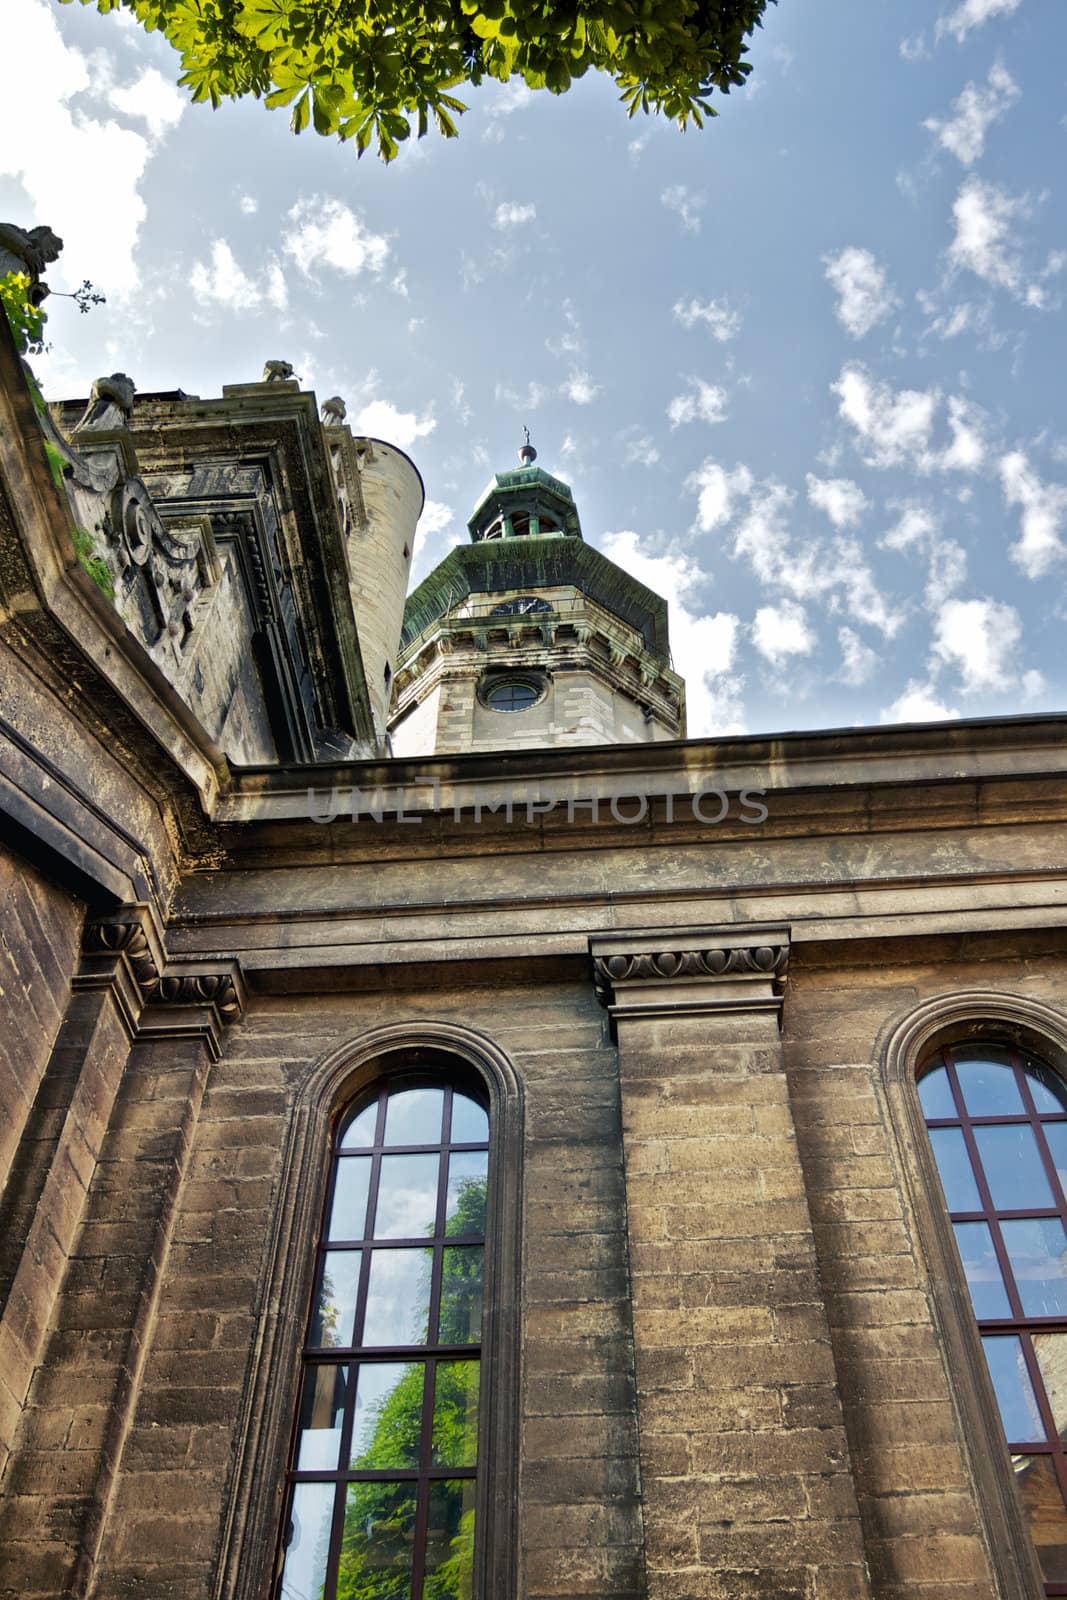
804 369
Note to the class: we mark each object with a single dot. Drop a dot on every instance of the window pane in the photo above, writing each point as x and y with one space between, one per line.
335 1309
407 1197
1013 1167
308 1542
1047 1087
450 1541
1051 1352
377 1542
398 1300
1043 1505
1038 1252
988 1295
321 1416
989 1086
348 1214
414 1116
465 1208
455 1413
1015 1393
1056 1134
935 1094
388 1421
360 1131
470 1121
954 1169
461 1295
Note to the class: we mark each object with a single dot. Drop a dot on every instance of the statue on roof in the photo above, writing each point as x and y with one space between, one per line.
110 404
28 251
278 371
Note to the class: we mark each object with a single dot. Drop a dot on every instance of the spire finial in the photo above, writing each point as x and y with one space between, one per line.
527 455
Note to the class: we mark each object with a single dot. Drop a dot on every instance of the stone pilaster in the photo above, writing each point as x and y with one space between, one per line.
62 1478
44 1198
745 1470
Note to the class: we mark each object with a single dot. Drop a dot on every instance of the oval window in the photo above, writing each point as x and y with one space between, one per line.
513 694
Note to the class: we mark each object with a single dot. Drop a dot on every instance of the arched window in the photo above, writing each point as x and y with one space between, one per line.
997 1121
382 1479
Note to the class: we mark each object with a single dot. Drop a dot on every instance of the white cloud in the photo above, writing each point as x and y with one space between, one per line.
639 450
976 110
836 571
1044 513
892 427
686 205
918 530
946 572
380 419
987 242
436 518
979 638
717 492
865 296
972 14
521 400
915 49
249 205
509 214
721 322
509 98
325 232
703 644
917 524
225 282
705 402
579 388
843 501
151 97
858 660
781 631
51 150
967 451
919 703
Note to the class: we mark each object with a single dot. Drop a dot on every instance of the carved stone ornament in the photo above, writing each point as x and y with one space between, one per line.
334 411
117 936
277 371
706 970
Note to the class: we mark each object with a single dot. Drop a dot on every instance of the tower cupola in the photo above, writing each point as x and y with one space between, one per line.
528 637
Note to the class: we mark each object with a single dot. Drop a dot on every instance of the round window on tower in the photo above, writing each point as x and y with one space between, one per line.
513 692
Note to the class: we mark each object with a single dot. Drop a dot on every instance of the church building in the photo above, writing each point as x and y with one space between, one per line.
462 1139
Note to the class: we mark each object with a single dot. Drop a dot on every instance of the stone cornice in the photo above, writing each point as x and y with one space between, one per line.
124 952
690 970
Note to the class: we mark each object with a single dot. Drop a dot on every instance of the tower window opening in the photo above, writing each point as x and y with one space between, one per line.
513 694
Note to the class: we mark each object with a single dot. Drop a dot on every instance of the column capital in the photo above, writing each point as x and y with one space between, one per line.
123 951
690 970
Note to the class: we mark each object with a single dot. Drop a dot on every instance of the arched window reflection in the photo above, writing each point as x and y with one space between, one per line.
381 1488
997 1120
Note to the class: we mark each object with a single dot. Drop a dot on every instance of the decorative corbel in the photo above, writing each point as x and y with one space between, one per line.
690 970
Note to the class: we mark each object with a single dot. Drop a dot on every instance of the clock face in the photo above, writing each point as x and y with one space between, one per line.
523 606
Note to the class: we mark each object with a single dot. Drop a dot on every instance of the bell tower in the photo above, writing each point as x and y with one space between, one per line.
528 638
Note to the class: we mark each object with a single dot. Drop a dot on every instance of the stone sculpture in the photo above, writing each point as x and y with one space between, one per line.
334 411
29 251
277 371
110 404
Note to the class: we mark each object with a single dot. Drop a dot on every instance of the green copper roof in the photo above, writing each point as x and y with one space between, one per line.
525 492
497 566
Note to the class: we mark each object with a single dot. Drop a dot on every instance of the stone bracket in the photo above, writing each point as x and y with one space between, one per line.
690 970
124 952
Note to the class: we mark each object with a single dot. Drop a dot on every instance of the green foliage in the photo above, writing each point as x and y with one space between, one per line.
94 565
24 318
372 70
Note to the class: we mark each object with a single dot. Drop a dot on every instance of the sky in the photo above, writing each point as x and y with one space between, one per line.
803 369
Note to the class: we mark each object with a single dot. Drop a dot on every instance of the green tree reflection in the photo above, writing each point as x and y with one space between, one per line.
377 1545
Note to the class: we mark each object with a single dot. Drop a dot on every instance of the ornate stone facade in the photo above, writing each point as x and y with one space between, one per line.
728 1351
